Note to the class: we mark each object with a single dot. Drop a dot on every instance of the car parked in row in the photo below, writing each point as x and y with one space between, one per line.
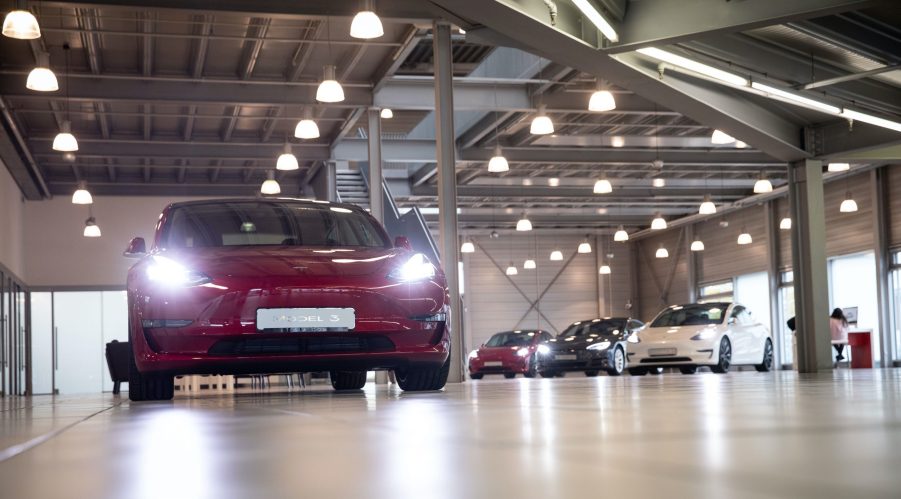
509 353
590 346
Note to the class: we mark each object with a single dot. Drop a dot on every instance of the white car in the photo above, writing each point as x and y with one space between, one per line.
717 335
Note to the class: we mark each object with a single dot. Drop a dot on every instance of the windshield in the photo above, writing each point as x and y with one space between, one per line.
691 315
511 339
256 223
605 327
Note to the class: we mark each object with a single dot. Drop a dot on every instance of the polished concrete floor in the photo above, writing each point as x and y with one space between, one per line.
740 435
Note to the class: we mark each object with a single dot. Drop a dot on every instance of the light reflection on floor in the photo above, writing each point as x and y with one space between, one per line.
740 435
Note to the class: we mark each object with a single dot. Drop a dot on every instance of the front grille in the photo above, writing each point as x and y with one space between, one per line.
657 360
303 345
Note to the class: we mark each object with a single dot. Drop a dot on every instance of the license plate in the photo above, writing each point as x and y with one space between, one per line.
660 352
493 364
316 319
565 357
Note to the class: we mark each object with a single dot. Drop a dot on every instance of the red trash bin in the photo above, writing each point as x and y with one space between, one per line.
861 351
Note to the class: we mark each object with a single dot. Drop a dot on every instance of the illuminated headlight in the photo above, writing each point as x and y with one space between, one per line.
633 338
704 335
603 345
417 268
544 349
474 354
523 352
167 271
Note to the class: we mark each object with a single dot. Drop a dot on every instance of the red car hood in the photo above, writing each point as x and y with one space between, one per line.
498 353
290 261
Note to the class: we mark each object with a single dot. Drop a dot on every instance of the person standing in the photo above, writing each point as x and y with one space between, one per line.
838 323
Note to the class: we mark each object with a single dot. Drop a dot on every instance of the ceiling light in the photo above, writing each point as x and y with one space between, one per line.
307 128
721 137
329 90
762 186
287 160
795 98
603 186
597 19
873 120
386 114
64 140
682 62
621 235
584 247
697 245
541 124
527 181
556 255
529 264
41 78
91 229
498 163
553 181
658 223
617 141
601 100
524 225
82 195
785 223
468 247
849 205
745 237
839 167
511 269
604 270
270 185
366 25
662 252
659 182
741 144
21 24
707 206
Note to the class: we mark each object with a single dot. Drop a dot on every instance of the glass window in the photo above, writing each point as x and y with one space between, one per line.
597 327
691 315
716 292
787 308
786 277
896 309
511 339
852 283
753 291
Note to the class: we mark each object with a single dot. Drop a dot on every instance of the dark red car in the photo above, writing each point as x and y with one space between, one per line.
282 285
509 353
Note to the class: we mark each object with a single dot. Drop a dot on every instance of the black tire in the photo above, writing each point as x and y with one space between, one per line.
348 380
591 374
533 367
509 375
619 362
422 379
143 387
655 370
767 364
547 374
638 371
725 357
561 374
688 369
476 376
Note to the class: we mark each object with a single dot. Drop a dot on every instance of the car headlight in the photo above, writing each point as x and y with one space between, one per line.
544 349
603 345
633 338
704 335
523 352
417 268
167 271
474 354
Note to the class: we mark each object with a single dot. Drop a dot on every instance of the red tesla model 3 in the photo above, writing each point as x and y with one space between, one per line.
282 285
509 353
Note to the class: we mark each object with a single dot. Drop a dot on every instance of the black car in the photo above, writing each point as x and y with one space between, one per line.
589 346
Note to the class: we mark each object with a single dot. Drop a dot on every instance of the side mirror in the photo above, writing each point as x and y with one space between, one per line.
402 242
136 248
731 320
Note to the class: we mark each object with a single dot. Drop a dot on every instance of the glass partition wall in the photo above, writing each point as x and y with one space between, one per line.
13 335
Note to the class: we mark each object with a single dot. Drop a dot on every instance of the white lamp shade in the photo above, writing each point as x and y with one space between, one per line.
697 245
541 124
65 141
329 90
91 229
42 79
605 269
386 114
584 247
601 100
603 186
553 181
306 129
658 223
763 186
785 223
617 141
498 163
707 207
82 196
366 25
524 224
745 238
21 24
511 270
529 264
662 253
556 255
839 167
848 206
270 185
621 235
287 161
659 182
720 137
468 247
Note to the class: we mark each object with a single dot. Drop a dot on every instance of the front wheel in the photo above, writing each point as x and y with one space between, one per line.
143 387
619 362
476 376
532 371
509 375
547 374
767 364
725 357
688 369
348 380
591 374
421 379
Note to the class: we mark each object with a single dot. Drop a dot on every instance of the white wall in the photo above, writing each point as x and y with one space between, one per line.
11 219
58 253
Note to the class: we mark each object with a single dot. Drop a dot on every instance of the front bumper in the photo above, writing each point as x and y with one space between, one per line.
519 365
586 360
672 353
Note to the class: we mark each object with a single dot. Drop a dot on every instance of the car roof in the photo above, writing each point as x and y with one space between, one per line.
275 200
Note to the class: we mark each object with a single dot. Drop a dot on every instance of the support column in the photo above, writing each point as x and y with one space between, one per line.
331 180
771 224
881 250
805 184
447 186
376 206
692 260
601 290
